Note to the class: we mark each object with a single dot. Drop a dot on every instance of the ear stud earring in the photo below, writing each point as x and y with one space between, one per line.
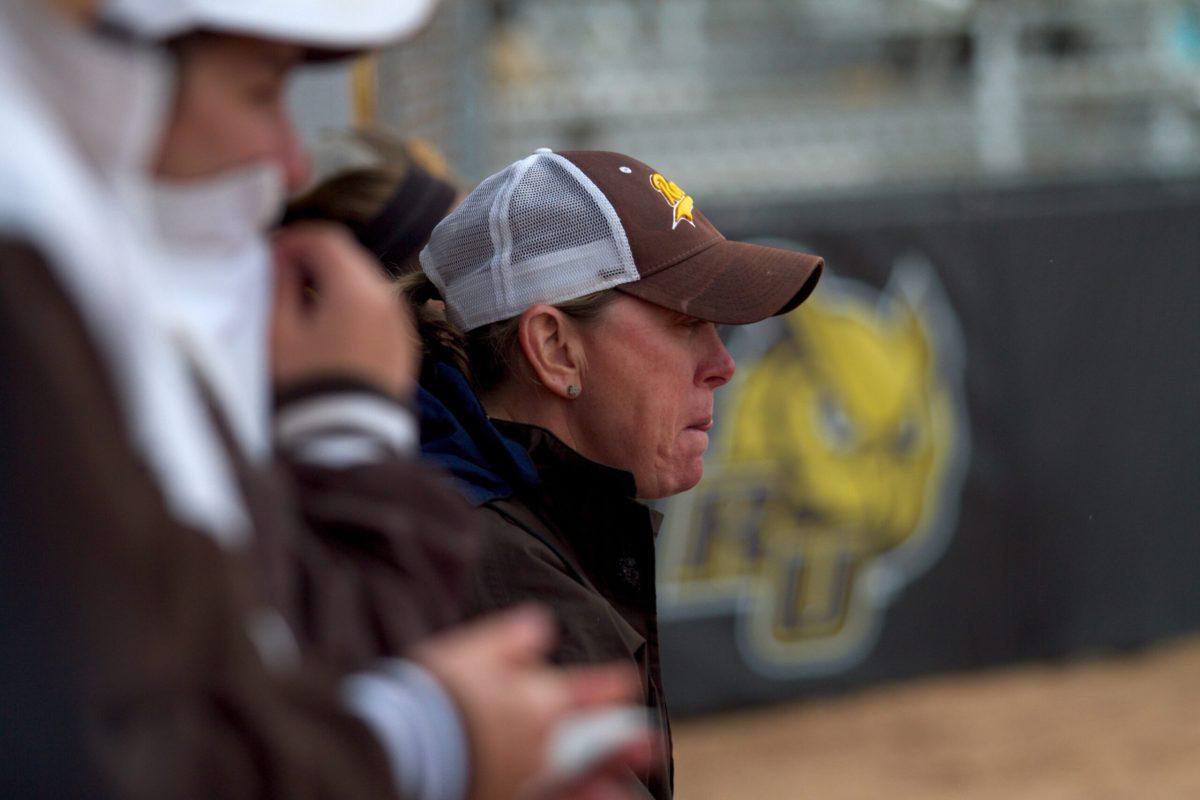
572 391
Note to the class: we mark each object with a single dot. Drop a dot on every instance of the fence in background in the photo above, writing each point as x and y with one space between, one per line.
771 98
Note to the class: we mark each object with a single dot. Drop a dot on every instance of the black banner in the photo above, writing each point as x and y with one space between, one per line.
977 443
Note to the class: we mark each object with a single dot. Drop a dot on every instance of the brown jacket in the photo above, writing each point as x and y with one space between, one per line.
366 560
147 619
581 544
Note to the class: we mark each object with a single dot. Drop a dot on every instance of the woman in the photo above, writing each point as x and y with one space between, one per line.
169 649
389 192
574 376
571 375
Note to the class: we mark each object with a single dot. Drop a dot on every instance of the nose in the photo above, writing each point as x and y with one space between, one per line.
718 365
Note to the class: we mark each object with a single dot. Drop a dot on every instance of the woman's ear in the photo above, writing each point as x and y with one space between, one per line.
552 348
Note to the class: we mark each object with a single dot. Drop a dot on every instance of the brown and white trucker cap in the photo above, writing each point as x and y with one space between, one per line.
556 226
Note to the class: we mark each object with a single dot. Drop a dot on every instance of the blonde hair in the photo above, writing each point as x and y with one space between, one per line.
364 170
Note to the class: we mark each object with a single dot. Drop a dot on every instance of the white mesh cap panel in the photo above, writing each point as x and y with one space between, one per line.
462 249
552 236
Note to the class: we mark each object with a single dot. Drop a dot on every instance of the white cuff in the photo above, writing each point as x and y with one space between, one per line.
346 429
418 725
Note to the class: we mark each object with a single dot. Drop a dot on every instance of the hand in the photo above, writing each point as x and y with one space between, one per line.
612 780
336 314
513 702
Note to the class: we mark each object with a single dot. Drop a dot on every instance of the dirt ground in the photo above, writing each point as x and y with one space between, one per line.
1115 729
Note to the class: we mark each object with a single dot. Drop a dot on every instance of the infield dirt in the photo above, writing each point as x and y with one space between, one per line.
1112 729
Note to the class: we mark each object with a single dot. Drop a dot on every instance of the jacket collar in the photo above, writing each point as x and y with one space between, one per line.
560 465
496 459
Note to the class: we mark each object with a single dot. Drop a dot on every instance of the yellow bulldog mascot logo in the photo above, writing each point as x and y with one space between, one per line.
834 476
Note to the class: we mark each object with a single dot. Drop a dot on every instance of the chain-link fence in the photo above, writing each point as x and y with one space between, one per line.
783 97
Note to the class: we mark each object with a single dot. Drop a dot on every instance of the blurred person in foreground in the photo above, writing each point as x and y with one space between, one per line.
573 375
362 580
132 313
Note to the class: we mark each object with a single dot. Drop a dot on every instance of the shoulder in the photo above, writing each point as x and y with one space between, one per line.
44 334
523 563
518 534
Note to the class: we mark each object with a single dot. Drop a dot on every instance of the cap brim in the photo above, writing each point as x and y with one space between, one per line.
326 28
732 283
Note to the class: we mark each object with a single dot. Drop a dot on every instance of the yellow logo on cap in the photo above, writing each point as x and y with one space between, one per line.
681 203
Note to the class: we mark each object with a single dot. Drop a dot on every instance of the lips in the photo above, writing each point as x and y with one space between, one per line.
703 426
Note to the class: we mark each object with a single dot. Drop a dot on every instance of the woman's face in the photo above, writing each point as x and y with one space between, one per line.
230 110
647 402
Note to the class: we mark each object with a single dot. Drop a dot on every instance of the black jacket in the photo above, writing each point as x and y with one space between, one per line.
563 531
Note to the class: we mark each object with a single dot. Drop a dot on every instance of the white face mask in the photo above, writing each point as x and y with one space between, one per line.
219 215
215 286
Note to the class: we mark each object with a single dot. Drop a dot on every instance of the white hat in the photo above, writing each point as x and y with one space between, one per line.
330 25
